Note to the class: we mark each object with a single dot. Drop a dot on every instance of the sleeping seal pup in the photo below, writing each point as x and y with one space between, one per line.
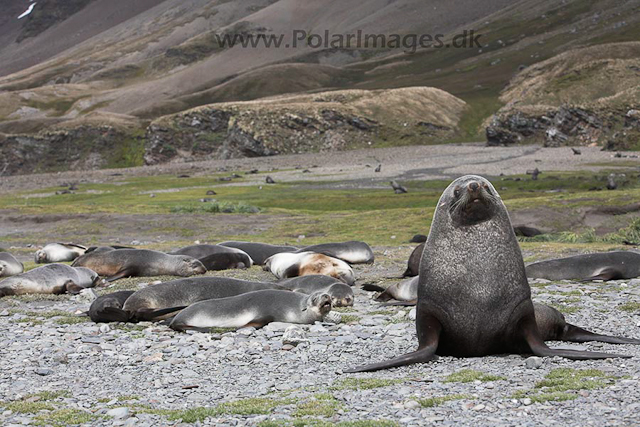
217 257
285 265
341 294
599 266
473 295
59 252
253 309
259 252
9 265
100 312
121 263
353 252
50 279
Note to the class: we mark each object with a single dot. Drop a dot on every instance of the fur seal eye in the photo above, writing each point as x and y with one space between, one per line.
456 192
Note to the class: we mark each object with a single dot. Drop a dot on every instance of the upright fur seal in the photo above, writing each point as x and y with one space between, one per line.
473 295
253 309
285 265
99 313
59 252
413 265
341 294
217 257
49 279
259 252
9 265
353 252
139 262
143 305
599 266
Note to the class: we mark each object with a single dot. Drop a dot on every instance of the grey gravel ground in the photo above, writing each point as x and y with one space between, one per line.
122 374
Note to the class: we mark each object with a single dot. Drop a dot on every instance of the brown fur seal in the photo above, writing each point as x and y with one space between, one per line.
413 265
59 252
599 266
353 252
473 295
139 263
98 310
49 279
341 294
217 257
9 265
259 252
285 265
146 303
253 309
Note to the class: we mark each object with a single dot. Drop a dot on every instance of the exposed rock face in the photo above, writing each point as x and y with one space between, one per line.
565 126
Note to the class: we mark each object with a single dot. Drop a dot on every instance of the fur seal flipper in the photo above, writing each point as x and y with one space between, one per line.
484 308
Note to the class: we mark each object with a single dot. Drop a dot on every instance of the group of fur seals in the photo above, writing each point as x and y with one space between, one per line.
59 252
49 279
253 309
287 264
120 263
473 294
217 257
9 265
599 266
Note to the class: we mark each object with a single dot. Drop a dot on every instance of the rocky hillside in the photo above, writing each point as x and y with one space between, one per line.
581 97
72 67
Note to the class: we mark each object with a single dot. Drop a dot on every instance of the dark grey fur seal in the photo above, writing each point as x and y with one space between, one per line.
413 265
599 266
353 252
9 265
59 252
49 279
139 263
145 303
473 295
526 231
217 257
99 313
253 309
341 294
259 252
418 238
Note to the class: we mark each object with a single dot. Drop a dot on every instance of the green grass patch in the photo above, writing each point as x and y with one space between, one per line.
344 309
469 375
319 405
349 318
630 306
364 383
439 400
222 207
64 417
314 422
556 396
26 407
559 382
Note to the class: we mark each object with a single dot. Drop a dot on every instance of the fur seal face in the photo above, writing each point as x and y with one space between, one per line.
188 266
471 200
319 303
286 265
9 265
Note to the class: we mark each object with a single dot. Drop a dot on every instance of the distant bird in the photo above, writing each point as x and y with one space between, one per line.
418 238
306 171
183 176
534 173
253 171
576 151
73 187
211 193
397 188
270 180
379 168
235 175
611 182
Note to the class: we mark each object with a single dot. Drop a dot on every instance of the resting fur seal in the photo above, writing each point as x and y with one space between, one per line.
598 266
473 295
406 291
98 310
413 265
253 309
353 252
259 252
139 263
217 257
9 265
341 294
49 279
285 265
145 303
59 252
